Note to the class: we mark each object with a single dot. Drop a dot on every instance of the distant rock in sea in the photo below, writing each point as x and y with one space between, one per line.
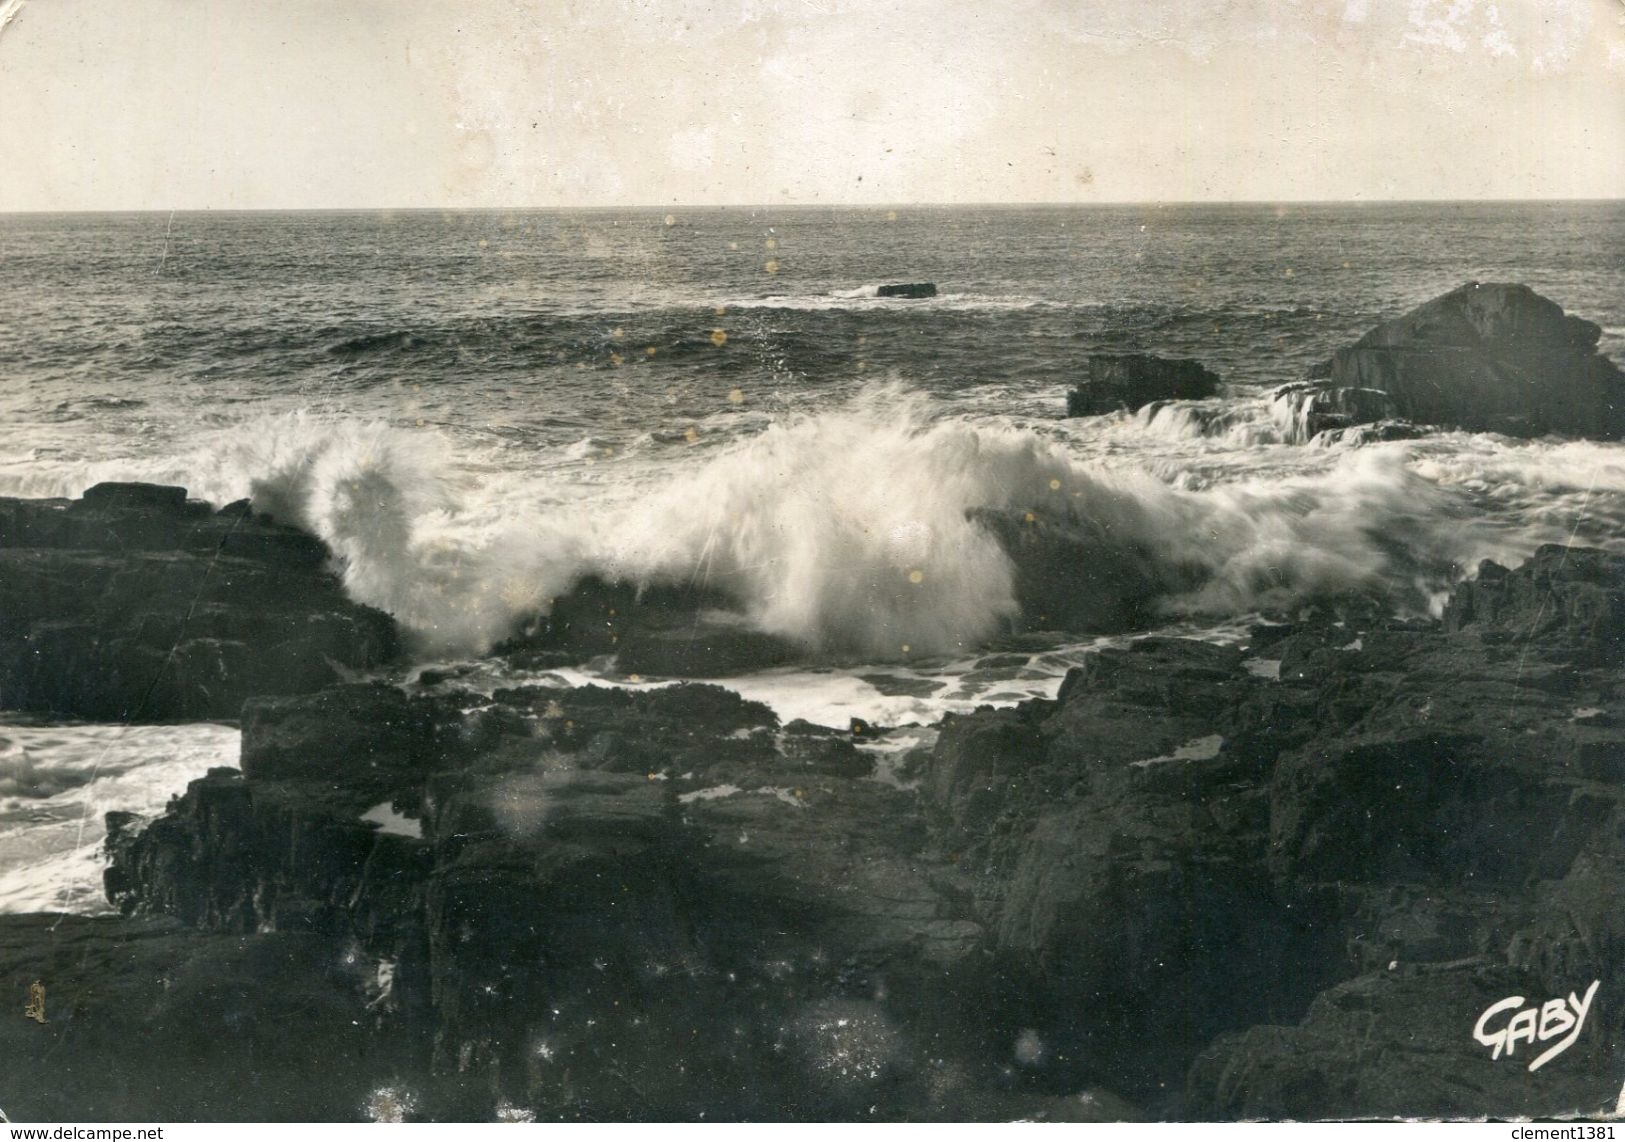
1128 382
1484 357
134 603
908 289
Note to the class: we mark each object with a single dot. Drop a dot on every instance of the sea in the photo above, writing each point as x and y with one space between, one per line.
477 408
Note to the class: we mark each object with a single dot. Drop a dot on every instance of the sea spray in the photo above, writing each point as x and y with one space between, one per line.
57 783
1368 524
865 529
887 526
382 500
1533 492
846 530
1237 422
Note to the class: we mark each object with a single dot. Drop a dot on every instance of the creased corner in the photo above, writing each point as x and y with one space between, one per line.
8 13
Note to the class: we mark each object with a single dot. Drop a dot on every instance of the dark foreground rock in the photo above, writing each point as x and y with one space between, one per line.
1230 896
1131 381
1485 357
1296 898
148 1021
1204 882
598 904
134 603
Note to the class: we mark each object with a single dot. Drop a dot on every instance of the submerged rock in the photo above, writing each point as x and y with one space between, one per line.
1359 435
137 604
1322 413
658 630
1489 357
908 290
1129 381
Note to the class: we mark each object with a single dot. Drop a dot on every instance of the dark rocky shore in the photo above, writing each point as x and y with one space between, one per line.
1184 888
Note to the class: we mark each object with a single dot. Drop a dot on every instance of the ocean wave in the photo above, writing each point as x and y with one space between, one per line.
857 530
1237 422
395 340
887 523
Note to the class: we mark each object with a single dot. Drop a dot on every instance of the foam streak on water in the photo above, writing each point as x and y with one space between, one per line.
853 530
58 782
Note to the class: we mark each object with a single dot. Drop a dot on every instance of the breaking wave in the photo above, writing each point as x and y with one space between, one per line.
865 528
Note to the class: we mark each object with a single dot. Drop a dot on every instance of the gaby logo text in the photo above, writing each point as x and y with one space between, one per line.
1541 1024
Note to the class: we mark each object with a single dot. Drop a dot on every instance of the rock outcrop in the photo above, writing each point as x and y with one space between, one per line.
1484 358
134 603
1073 573
1130 381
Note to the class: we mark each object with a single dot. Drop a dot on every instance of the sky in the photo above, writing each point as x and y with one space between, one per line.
244 104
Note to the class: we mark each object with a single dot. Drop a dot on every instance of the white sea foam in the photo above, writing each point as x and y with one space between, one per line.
58 782
1236 423
853 529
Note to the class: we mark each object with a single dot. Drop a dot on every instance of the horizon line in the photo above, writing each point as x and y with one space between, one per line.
1153 203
